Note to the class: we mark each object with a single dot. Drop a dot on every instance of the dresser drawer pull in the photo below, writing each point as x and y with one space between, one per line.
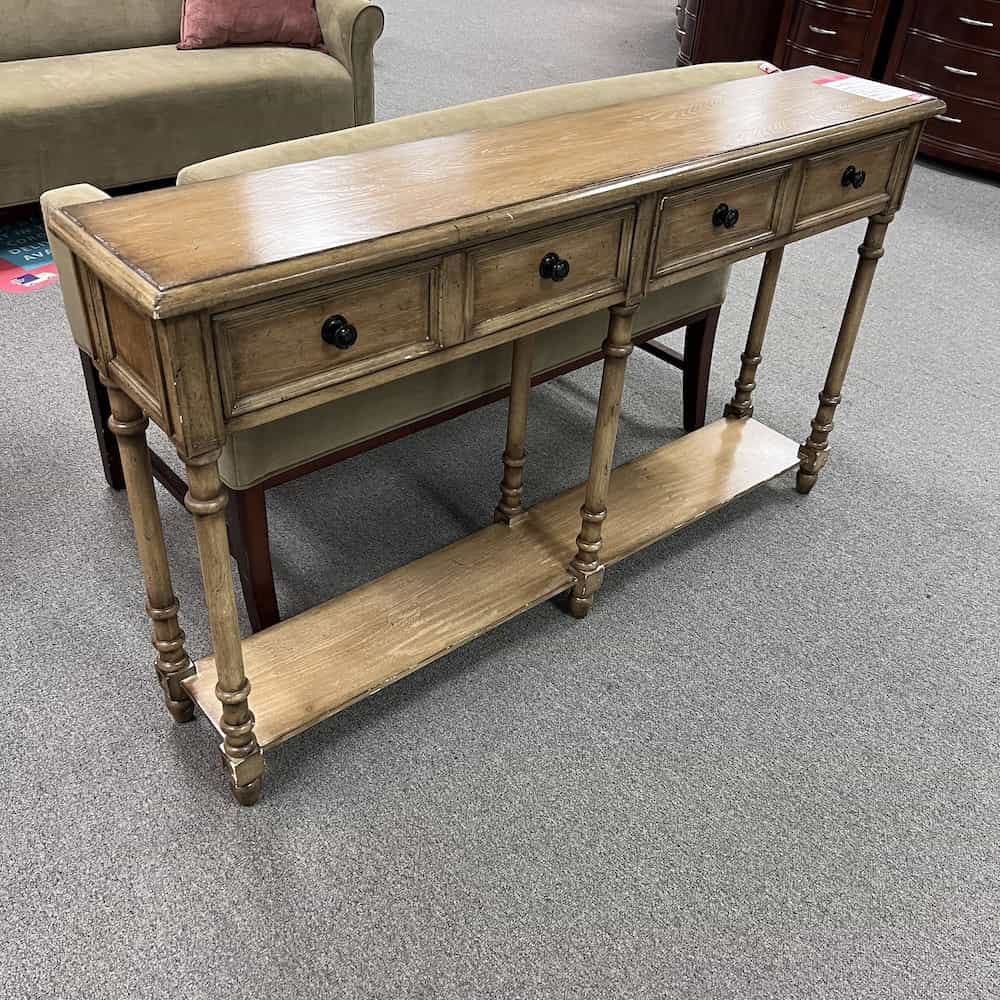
553 267
724 216
853 178
821 31
948 119
961 72
973 23
337 332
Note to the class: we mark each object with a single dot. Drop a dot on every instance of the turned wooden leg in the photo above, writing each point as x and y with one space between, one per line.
246 517
587 566
206 500
100 410
815 451
128 424
511 506
741 405
699 344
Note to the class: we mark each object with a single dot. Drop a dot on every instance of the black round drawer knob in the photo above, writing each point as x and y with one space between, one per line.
553 267
853 178
724 216
339 333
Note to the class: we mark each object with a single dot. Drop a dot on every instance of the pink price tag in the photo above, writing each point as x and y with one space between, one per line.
827 80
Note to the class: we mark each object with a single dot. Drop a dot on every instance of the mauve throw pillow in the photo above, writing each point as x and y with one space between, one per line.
210 24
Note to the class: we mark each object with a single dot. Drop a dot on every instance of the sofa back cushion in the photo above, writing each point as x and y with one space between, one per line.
39 28
493 113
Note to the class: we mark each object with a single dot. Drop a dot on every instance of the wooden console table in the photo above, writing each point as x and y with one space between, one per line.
235 302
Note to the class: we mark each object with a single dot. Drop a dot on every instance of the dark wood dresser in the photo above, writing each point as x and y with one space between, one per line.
948 48
951 48
844 35
722 30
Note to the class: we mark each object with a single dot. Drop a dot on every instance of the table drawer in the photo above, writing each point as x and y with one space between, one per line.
971 22
827 190
539 273
830 31
296 344
698 225
954 68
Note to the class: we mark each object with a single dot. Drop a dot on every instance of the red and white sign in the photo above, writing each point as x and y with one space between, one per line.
17 281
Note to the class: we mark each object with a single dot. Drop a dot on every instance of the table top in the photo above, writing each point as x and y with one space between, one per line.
433 192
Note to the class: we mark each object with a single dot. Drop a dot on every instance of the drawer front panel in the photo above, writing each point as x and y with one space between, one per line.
693 228
506 285
952 68
972 22
276 350
968 127
796 58
830 31
686 24
824 194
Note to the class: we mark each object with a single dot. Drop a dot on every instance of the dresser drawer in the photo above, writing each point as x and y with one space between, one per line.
830 31
685 25
698 225
972 22
967 126
795 58
826 188
293 345
586 259
952 68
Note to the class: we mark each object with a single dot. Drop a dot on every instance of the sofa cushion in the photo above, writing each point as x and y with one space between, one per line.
493 113
112 118
35 29
254 455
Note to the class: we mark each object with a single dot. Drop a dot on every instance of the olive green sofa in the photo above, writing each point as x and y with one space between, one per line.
257 459
96 90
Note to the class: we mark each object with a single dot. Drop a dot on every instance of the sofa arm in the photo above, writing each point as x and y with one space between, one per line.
350 29
52 201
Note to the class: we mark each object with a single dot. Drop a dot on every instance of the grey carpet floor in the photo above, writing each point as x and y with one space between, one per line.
766 766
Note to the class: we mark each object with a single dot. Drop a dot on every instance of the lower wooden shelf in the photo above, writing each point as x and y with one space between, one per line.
307 668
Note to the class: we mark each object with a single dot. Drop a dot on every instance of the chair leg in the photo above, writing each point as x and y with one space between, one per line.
246 517
100 409
699 343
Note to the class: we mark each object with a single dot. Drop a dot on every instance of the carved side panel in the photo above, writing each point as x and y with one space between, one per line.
126 349
134 360
904 167
192 385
